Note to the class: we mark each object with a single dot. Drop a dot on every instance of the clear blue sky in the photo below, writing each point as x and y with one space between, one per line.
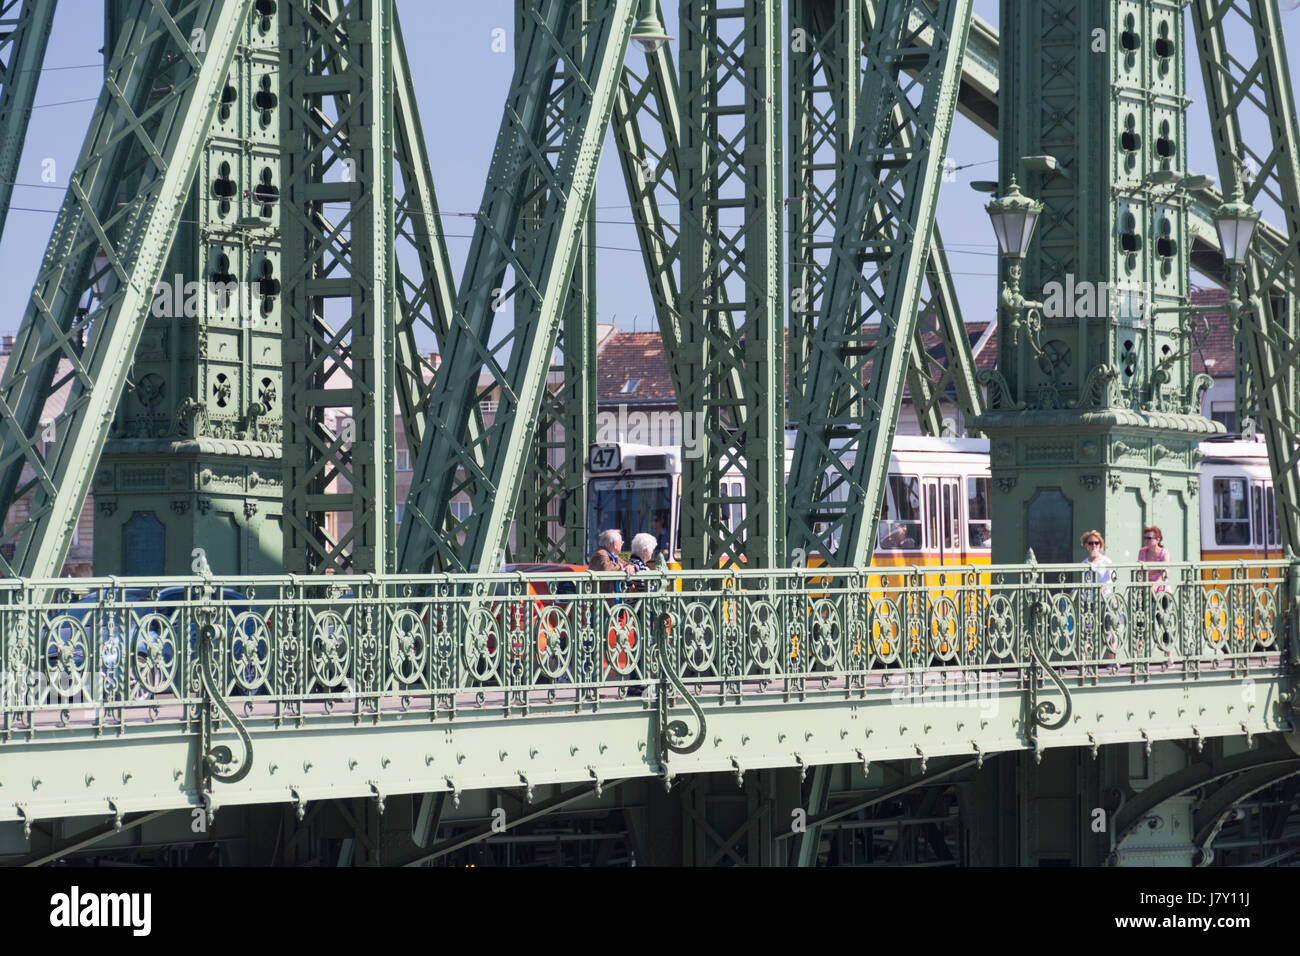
461 85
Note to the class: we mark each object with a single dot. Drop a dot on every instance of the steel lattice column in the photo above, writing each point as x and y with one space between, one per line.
647 131
824 76
868 319
823 116
124 202
338 225
730 182
1254 91
425 299
550 521
24 33
516 360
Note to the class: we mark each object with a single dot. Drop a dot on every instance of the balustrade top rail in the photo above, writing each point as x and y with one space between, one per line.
110 652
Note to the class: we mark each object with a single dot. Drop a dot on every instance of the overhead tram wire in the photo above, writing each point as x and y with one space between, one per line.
452 235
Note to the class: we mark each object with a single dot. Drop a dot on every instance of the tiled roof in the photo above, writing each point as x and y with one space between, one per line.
55 403
628 356
1215 356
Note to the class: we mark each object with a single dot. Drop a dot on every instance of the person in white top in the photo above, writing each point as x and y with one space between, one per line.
1095 546
1102 577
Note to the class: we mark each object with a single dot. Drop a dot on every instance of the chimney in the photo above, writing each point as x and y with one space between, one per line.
435 360
6 344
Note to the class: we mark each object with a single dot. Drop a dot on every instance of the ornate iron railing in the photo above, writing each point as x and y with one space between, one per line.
108 654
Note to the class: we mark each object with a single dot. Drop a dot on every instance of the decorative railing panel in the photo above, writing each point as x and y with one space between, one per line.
112 655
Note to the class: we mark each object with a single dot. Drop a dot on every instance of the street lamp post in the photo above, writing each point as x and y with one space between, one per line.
649 30
1235 221
1014 217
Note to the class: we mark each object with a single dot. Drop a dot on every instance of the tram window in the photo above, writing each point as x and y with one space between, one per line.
979 524
733 510
931 516
625 503
900 518
1270 505
951 532
1257 513
1231 519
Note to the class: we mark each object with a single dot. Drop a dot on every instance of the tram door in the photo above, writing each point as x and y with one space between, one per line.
943 518
1265 534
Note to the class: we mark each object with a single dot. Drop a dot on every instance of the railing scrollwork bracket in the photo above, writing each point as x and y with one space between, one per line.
674 735
215 761
1041 711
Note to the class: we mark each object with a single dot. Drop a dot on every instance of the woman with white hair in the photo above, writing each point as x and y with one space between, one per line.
643 549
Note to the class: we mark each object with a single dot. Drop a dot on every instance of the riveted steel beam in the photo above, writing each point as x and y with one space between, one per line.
1253 90
338 310
121 212
830 35
868 319
514 361
824 86
550 521
732 315
647 103
426 298
941 359
24 33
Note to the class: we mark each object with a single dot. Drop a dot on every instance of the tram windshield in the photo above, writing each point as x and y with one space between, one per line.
628 504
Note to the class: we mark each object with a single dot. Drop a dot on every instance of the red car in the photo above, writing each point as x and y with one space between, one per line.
551 616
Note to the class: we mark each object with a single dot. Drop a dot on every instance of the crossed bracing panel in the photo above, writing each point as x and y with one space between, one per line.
732 309
828 42
558 174
549 522
867 323
1253 119
337 234
105 256
24 33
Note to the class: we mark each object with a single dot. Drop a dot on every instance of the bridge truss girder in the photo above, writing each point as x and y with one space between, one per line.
854 386
550 519
144 144
1241 95
824 109
425 299
516 360
24 34
337 231
732 314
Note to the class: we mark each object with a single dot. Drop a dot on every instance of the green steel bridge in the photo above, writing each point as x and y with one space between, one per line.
271 668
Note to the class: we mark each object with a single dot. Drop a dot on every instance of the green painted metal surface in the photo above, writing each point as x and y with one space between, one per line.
24 33
425 299
115 252
191 475
1250 84
338 296
866 327
1094 412
732 307
337 684
516 363
550 520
